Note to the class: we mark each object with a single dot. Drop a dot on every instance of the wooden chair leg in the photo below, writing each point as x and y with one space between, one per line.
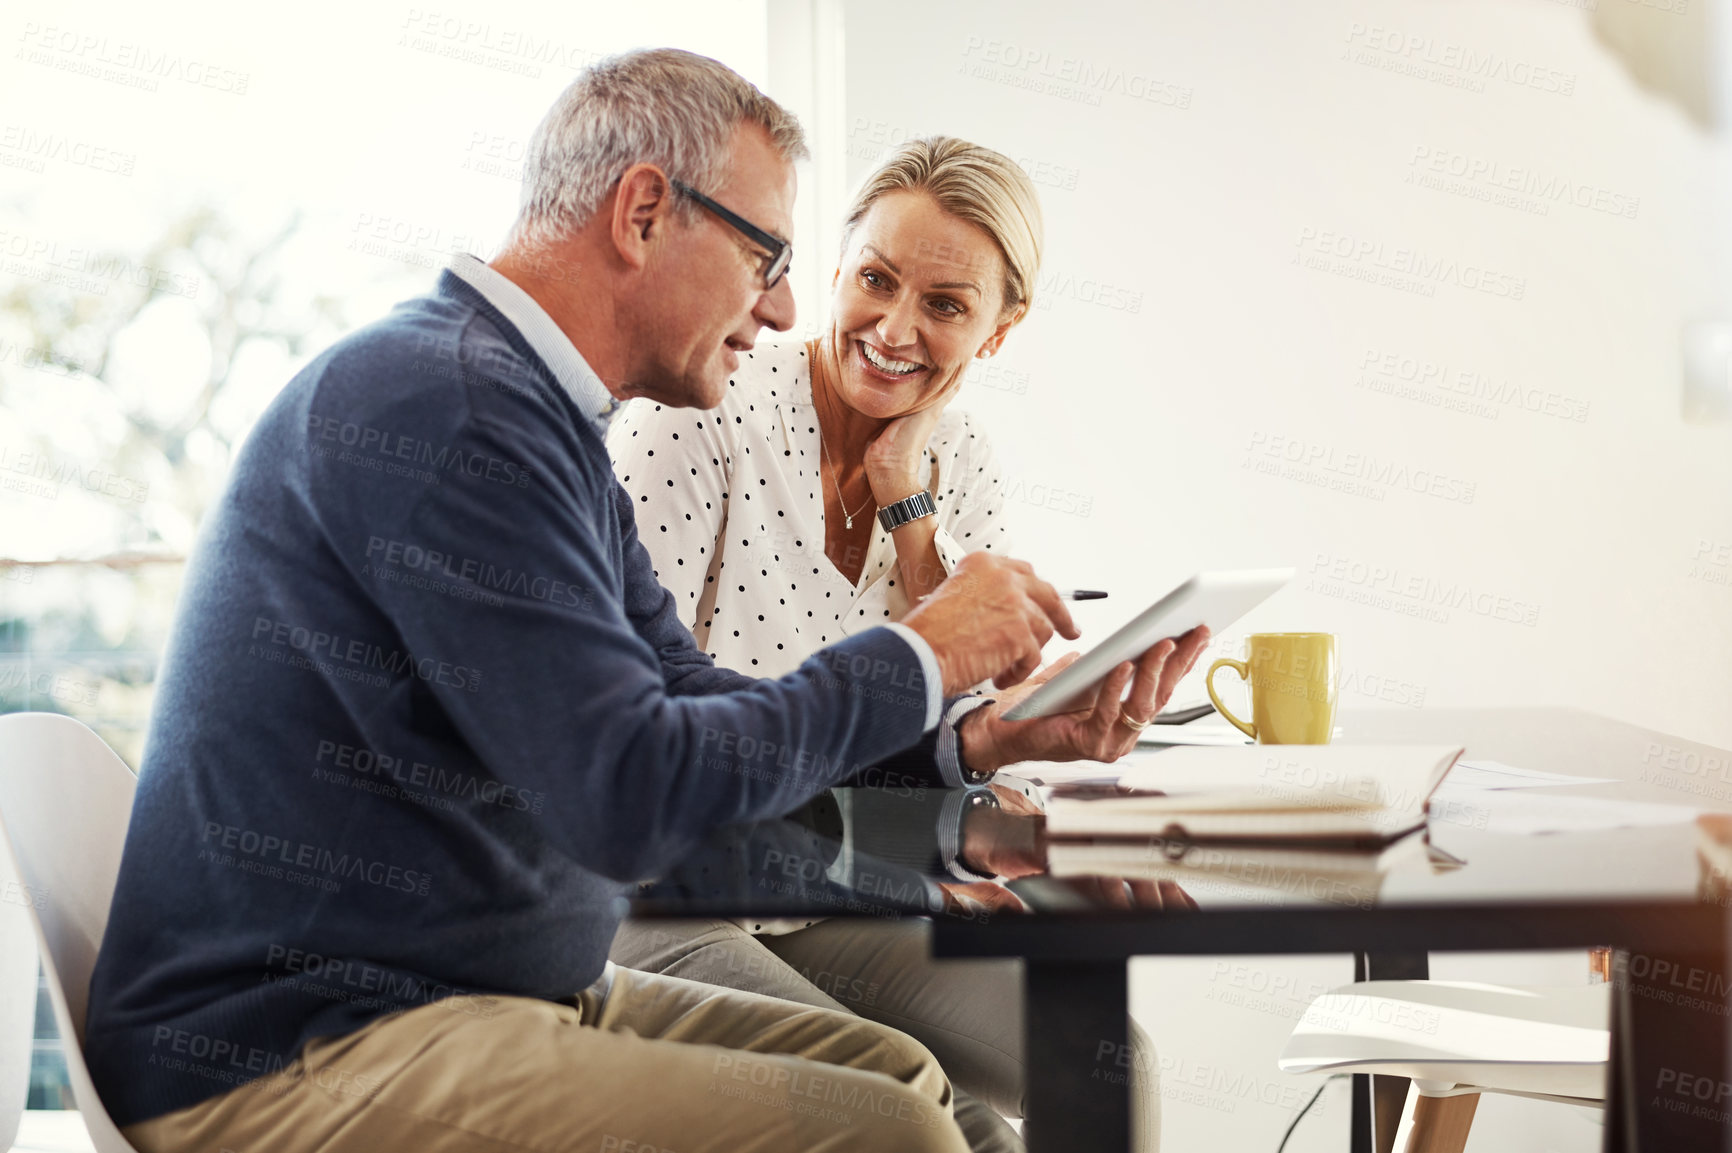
1440 1124
1388 1103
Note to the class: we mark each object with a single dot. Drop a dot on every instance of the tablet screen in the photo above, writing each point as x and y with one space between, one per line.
1216 599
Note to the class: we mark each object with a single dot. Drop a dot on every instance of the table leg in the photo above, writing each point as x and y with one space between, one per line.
1668 1086
1078 1057
1378 1101
1619 1135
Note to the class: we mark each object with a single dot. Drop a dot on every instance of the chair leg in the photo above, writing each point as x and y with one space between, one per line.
1388 1102
1440 1124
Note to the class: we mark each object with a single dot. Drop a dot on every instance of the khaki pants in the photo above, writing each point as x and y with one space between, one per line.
969 1014
662 1065
880 970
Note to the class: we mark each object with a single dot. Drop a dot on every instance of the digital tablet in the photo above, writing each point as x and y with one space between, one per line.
1216 599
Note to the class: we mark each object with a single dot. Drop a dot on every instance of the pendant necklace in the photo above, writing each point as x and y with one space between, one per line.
835 477
847 517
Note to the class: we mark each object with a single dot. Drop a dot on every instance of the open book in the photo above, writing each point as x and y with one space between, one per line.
1337 794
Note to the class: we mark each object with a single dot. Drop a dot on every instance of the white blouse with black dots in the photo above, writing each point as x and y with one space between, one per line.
729 506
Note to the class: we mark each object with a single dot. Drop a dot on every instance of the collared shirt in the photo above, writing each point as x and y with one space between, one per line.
547 338
730 504
730 507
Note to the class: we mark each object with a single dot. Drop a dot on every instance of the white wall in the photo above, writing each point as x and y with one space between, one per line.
1192 157
1183 150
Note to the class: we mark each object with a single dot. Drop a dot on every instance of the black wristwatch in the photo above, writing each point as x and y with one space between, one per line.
894 516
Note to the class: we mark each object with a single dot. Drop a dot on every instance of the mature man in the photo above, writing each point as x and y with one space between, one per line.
426 713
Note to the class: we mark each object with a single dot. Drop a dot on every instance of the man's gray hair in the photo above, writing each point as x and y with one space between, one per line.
661 106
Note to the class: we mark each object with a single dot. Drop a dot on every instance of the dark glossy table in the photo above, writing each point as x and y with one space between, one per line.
1653 893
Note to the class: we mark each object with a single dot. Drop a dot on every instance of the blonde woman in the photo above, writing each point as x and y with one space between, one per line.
832 489
813 440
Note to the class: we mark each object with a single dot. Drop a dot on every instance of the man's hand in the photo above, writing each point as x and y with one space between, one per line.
1093 733
989 620
979 900
1015 803
996 843
1001 844
1117 893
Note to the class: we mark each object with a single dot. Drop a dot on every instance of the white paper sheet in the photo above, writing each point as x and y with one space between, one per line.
1483 774
1522 813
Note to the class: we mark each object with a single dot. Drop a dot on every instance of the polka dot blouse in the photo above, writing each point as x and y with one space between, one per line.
729 506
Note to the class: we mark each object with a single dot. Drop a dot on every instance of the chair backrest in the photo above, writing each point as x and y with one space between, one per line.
17 997
65 800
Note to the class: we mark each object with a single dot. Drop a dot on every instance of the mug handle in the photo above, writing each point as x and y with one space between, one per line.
1244 672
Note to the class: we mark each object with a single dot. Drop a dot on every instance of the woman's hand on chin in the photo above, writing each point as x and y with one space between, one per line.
896 457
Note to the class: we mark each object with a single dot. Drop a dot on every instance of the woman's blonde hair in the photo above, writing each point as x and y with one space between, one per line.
972 183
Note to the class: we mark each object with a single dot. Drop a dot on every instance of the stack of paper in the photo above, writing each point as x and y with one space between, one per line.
1342 794
1500 798
1480 773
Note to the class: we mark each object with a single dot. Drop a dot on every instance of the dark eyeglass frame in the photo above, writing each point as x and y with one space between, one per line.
781 252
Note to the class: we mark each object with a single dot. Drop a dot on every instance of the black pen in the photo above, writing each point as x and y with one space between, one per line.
1082 595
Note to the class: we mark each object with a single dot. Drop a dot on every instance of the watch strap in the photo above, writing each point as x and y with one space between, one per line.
898 513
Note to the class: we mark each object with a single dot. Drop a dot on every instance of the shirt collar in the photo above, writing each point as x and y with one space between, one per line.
544 336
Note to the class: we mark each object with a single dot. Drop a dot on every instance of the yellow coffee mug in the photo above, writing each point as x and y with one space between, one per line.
1292 677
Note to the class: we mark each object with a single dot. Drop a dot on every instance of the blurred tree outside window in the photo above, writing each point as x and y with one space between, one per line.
125 390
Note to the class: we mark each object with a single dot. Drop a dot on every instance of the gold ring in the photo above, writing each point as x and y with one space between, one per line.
1137 726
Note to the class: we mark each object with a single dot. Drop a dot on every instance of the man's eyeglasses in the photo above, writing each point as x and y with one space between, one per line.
781 252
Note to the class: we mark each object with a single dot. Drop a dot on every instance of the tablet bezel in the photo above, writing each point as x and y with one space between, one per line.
1217 599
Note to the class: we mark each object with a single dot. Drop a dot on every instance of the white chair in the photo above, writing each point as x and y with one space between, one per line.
1455 1040
17 1000
65 799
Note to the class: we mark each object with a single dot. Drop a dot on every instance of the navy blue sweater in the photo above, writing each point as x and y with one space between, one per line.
425 715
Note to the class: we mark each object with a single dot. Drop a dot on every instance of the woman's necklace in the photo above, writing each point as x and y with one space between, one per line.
835 477
847 517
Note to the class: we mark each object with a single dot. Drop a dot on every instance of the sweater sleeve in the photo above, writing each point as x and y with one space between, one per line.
575 680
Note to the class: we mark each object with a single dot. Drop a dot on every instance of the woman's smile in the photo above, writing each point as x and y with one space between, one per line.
878 365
